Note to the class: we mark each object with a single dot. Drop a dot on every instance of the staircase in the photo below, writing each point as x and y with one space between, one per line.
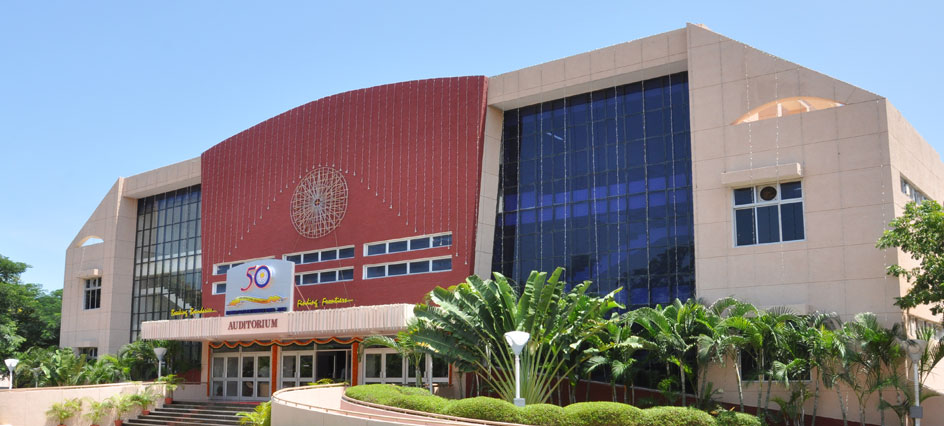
182 413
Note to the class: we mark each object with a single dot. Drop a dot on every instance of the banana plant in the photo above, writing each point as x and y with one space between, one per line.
465 325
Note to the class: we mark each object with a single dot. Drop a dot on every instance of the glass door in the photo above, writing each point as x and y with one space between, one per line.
297 369
383 366
255 376
225 376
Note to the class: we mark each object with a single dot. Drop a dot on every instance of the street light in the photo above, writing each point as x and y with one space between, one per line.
36 371
160 358
517 340
915 348
11 364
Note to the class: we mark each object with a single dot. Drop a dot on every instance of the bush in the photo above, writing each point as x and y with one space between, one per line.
376 394
428 403
542 415
484 408
731 418
677 416
601 413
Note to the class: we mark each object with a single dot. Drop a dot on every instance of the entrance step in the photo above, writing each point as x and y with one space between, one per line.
184 413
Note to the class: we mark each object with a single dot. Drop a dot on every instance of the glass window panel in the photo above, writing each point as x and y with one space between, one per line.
442 264
419 243
232 367
231 387
296 259
310 257
329 255
346 253
305 366
744 226
792 217
346 275
790 190
442 240
396 269
373 365
288 366
248 366
419 267
263 369
248 388
397 246
327 277
376 271
376 249
768 224
394 366
310 279
743 196
263 391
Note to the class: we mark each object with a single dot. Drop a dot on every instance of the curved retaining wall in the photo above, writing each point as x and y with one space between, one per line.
326 405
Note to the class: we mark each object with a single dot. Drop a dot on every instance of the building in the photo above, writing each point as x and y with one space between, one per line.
678 165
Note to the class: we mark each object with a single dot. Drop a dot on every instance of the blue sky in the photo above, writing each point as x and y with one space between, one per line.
90 91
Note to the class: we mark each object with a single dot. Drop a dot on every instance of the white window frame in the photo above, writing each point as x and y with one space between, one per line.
407 263
337 251
757 203
300 276
86 290
214 288
407 239
912 192
216 266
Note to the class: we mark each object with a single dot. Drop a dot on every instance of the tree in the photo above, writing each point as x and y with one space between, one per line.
27 313
618 355
406 347
674 331
919 232
465 325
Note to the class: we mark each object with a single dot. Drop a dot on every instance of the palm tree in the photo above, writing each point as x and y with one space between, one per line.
878 355
465 325
674 331
741 336
621 346
821 342
107 369
721 340
405 345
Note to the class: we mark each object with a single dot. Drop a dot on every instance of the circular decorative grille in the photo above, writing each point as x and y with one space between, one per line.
319 202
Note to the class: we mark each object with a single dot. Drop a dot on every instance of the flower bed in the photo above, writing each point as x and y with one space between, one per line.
599 413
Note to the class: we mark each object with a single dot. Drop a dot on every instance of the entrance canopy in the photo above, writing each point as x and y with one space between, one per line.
356 321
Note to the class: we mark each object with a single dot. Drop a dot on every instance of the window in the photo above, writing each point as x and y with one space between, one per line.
411 267
91 354
408 244
768 214
219 288
908 189
93 293
324 277
321 255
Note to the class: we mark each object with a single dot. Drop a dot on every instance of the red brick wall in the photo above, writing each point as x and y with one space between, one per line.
411 155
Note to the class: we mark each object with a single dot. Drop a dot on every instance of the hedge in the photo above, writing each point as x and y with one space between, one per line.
542 415
484 408
602 413
677 416
732 418
599 413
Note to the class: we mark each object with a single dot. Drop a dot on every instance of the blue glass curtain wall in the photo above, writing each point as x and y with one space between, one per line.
601 184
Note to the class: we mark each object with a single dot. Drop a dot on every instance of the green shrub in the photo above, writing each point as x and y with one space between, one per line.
677 416
376 394
602 413
731 418
428 403
542 415
484 408
406 390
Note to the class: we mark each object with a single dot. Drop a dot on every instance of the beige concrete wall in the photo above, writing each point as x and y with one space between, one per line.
27 407
488 195
108 327
843 161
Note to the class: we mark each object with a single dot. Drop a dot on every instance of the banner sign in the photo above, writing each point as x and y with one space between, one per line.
249 325
260 286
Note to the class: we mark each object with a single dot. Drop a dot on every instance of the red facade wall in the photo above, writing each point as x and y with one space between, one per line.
411 156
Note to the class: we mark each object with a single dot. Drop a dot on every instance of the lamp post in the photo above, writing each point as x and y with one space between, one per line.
915 350
160 358
517 340
11 364
36 371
